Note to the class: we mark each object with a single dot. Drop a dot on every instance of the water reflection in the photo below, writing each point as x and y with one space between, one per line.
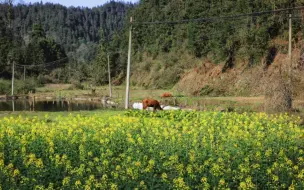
51 106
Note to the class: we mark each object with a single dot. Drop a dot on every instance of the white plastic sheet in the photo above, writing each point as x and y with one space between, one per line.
171 108
139 106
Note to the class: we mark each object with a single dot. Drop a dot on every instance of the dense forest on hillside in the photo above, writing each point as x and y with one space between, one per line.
248 36
70 26
161 52
220 41
40 33
218 37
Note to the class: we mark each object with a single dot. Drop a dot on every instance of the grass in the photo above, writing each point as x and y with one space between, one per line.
136 94
52 115
238 104
118 92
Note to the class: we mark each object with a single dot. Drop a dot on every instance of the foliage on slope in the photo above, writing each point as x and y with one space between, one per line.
228 42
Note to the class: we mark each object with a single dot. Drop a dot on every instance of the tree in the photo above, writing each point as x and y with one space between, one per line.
41 49
99 69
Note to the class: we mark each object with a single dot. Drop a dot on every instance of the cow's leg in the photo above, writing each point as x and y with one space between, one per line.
144 107
154 108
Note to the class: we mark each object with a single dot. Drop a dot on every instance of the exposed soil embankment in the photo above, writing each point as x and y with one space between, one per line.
209 79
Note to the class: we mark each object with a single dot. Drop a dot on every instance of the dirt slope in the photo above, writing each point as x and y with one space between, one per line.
208 78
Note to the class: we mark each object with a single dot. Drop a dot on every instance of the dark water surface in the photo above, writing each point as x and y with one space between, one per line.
50 106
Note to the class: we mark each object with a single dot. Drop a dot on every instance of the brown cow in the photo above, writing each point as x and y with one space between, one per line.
151 103
166 95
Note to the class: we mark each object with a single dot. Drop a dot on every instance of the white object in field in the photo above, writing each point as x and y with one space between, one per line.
106 101
137 106
111 102
189 109
171 108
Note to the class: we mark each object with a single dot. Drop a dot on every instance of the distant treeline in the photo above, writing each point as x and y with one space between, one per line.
39 33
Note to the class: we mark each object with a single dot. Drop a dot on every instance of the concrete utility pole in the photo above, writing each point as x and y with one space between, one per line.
109 71
129 65
289 48
13 77
290 36
24 73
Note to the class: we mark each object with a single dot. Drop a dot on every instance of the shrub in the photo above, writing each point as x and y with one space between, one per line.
77 85
5 86
20 86
278 94
26 86
42 79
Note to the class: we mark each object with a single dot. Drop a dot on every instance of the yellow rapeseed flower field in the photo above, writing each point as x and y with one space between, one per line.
144 150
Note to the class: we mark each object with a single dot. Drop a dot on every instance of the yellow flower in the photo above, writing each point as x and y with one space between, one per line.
137 163
151 162
243 185
268 152
10 166
222 182
142 183
66 181
256 166
301 175
289 162
189 169
275 178
87 187
118 167
114 186
78 182
291 187
39 163
204 180
180 184
164 176
16 172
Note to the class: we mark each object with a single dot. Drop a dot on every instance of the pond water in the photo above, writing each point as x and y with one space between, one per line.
50 106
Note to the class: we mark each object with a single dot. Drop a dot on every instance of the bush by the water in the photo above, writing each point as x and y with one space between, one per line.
20 86
145 150
5 86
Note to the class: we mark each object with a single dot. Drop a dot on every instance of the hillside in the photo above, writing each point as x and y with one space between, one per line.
228 53
234 56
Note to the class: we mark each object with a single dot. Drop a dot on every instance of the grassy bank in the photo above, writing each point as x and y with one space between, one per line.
238 104
53 115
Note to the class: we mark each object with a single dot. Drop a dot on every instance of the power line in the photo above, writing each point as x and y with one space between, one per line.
44 64
207 19
116 52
